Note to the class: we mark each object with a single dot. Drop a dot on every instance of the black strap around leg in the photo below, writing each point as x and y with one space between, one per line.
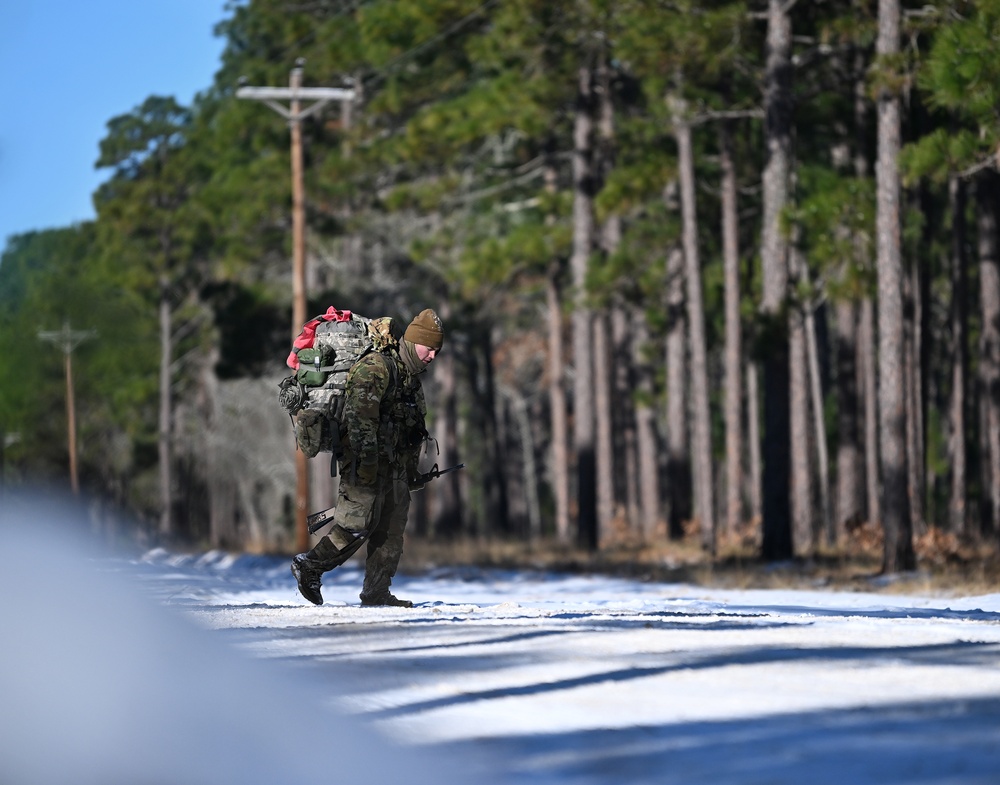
348 551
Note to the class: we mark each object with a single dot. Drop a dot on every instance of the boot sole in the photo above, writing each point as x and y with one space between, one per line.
406 604
297 573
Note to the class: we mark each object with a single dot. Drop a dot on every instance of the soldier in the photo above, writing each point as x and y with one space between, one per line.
382 431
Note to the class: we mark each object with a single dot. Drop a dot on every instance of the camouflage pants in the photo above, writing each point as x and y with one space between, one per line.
378 510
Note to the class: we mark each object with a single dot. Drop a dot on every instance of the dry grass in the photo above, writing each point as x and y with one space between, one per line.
946 566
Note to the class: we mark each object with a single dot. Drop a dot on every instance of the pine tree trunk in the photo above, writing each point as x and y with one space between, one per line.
823 524
557 405
444 493
496 517
701 434
914 296
165 435
899 553
849 499
678 466
628 491
859 368
523 484
802 490
556 368
645 426
613 423
220 498
603 362
605 463
957 448
867 364
583 366
733 403
755 483
777 524
989 344
985 468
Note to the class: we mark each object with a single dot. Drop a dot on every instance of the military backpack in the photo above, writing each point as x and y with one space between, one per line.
322 355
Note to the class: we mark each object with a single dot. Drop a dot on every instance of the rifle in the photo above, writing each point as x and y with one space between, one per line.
433 474
318 520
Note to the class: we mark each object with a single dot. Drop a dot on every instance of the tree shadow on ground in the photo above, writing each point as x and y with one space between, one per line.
949 741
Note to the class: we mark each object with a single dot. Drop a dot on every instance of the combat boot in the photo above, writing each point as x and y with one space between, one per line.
308 574
380 567
386 599
308 569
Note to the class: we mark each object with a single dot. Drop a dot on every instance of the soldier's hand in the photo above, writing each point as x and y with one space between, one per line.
367 473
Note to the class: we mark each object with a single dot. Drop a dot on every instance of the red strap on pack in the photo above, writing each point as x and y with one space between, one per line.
306 338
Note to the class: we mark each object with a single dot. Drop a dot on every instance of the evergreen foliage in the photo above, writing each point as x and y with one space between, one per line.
448 183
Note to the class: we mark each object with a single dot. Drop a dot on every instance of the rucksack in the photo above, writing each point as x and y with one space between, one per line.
322 355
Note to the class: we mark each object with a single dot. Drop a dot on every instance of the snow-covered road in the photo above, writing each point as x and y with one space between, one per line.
573 679
212 670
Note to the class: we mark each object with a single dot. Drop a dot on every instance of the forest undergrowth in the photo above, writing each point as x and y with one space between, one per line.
947 565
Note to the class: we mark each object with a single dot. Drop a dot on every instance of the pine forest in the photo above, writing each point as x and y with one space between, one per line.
716 273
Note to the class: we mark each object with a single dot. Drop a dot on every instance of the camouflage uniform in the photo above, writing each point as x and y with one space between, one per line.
383 428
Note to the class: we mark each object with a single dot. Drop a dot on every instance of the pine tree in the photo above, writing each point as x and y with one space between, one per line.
899 553
146 213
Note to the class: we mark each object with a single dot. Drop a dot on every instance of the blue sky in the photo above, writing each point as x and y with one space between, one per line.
69 66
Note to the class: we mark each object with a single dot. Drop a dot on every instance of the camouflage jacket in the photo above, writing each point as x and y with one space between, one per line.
384 409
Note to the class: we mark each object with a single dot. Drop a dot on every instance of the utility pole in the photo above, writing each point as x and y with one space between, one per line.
295 94
68 339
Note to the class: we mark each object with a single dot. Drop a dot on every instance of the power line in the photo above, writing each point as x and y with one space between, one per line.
382 73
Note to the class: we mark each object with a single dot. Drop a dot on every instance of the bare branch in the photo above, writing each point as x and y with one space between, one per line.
986 163
730 114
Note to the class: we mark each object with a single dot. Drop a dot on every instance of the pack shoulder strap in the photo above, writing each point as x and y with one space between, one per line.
390 366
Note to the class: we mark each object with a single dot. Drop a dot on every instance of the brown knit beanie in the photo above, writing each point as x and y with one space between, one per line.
425 329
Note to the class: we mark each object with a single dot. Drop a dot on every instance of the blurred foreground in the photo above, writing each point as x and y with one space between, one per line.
102 685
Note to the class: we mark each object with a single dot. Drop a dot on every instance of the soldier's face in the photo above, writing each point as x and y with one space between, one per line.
425 354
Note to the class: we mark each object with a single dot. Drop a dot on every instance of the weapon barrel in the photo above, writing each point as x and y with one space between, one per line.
439 472
318 520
